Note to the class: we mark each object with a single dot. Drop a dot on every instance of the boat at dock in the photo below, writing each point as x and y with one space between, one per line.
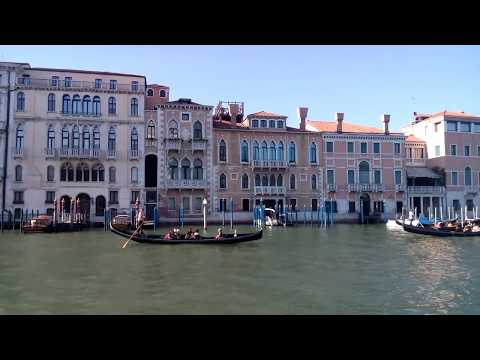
451 227
120 226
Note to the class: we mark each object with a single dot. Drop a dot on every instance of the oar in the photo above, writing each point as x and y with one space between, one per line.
123 247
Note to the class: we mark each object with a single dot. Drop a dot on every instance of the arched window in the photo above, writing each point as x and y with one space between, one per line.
51 103
86 138
151 130
468 176
186 170
51 137
86 105
19 137
98 173
86 173
76 107
222 151
264 180
257 180
173 169
96 138
18 173
111 139
197 169
65 138
197 130
313 153
273 154
256 151
96 106
75 137
272 180
244 151
112 105
50 173
134 175
280 152
134 107
173 129
111 175
66 172
20 101
291 152
264 151
79 172
223 181
364 173
314 182
244 181
162 93
280 180
149 92
292 182
66 104
134 139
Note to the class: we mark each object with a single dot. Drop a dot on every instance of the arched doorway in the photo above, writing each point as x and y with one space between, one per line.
150 182
365 204
83 208
100 205
64 208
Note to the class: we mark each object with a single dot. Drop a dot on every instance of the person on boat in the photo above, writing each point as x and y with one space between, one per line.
168 236
196 235
140 219
189 234
467 228
235 233
219 235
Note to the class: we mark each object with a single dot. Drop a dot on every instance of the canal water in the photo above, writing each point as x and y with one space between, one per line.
346 269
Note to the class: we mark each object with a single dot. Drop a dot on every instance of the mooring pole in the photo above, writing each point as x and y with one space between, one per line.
231 213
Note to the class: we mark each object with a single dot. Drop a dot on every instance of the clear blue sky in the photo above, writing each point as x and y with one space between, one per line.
361 81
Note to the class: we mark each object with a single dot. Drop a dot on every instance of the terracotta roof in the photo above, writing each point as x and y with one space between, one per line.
228 125
413 139
266 114
183 102
454 114
85 72
331 126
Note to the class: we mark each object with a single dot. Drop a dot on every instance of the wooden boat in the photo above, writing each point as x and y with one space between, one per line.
39 224
119 228
438 232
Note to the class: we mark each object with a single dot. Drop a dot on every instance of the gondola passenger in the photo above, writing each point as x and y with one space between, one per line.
196 235
219 235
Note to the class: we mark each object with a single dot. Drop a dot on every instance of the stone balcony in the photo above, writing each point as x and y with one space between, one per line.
199 144
111 154
435 190
472 189
173 144
269 164
133 154
399 187
18 152
269 190
151 146
331 187
73 153
365 187
186 184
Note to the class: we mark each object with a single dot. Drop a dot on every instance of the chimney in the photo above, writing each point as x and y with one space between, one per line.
302 114
233 110
386 120
339 118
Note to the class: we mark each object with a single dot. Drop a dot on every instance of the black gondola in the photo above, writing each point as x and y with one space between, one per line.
159 239
438 232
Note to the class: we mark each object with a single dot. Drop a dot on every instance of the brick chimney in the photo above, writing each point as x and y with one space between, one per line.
339 118
386 120
302 115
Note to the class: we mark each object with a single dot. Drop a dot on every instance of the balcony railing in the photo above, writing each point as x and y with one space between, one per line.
399 187
23 82
18 152
133 154
111 154
471 189
365 187
265 164
151 145
331 187
199 144
186 184
80 113
49 153
269 190
426 190
95 153
173 144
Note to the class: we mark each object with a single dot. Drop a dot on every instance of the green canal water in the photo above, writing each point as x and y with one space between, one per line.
346 269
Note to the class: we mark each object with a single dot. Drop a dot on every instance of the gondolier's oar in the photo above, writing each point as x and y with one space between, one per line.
123 247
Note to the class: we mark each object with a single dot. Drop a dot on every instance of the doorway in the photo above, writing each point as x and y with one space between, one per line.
365 200
151 171
84 208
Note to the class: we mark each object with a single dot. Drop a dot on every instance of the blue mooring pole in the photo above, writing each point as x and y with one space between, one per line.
231 213
154 218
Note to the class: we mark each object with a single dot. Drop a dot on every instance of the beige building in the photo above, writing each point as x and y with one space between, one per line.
75 135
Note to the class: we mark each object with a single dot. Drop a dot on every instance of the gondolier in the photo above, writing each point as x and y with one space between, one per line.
140 220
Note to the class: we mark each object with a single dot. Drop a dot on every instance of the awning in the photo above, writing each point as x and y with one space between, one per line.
422 172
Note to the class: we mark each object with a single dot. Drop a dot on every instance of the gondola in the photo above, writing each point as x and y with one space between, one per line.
159 239
437 232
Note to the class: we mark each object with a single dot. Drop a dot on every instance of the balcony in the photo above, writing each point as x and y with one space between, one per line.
151 145
199 144
18 152
436 190
186 184
365 187
49 153
25 83
331 187
111 154
80 113
96 154
471 189
133 154
173 144
269 164
399 187
269 190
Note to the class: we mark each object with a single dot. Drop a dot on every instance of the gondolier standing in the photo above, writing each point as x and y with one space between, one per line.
140 219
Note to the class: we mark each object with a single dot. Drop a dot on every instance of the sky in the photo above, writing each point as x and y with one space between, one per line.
363 82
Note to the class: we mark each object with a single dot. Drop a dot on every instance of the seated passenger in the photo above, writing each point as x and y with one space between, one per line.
189 234
219 234
196 235
168 236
